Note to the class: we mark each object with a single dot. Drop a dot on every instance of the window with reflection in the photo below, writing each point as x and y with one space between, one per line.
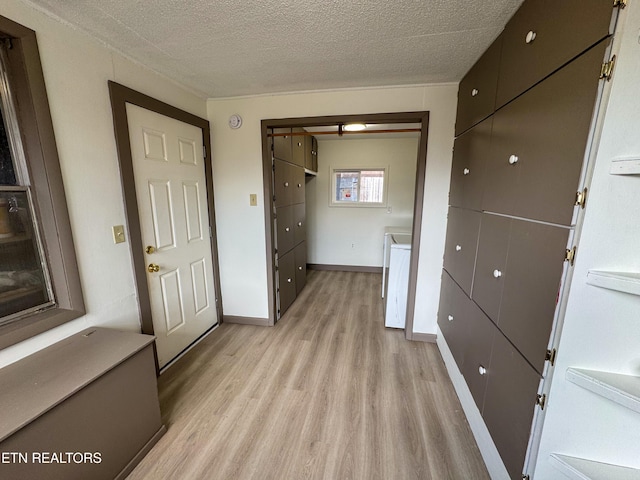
25 286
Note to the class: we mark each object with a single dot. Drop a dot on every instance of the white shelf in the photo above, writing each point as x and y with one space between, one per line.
581 469
619 388
627 282
625 166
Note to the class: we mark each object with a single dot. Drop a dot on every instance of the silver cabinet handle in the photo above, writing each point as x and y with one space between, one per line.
513 159
497 273
299 224
474 92
458 248
288 280
299 144
299 185
450 318
300 268
286 184
530 37
466 171
287 229
482 370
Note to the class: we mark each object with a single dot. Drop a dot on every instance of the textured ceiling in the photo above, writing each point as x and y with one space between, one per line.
228 48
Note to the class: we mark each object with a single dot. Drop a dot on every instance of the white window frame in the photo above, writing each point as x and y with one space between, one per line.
359 204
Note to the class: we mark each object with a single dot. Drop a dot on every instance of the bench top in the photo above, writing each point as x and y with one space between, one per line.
35 384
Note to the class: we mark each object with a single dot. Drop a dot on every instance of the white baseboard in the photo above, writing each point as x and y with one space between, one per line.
488 450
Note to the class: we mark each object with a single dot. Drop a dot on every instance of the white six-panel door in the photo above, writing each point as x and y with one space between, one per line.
172 201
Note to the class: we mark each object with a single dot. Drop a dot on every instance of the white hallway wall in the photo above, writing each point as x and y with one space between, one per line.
601 330
331 231
237 166
76 70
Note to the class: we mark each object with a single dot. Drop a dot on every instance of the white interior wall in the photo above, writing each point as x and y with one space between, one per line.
237 166
76 70
601 330
354 235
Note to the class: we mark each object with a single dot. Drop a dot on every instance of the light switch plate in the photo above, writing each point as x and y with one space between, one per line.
118 234
253 200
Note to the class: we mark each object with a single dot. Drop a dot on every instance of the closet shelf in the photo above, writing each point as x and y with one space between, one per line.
581 469
625 166
627 282
619 388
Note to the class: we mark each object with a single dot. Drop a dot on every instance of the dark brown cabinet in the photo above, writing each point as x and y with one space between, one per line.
491 260
477 93
282 148
470 157
297 185
289 214
538 144
523 127
509 403
284 229
287 280
300 256
531 283
311 154
544 35
299 223
299 147
460 247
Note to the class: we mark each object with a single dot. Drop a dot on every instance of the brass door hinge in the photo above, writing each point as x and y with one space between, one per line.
551 356
570 255
581 198
541 401
619 3
606 71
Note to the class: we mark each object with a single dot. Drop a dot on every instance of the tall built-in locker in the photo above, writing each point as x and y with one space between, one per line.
525 114
290 154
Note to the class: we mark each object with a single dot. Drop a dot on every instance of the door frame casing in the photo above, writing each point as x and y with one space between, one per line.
120 97
387 118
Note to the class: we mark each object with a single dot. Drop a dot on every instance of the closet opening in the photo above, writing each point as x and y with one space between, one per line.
333 186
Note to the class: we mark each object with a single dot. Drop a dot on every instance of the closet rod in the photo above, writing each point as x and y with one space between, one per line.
306 134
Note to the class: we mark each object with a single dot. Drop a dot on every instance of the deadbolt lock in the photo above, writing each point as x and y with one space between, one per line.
150 249
153 268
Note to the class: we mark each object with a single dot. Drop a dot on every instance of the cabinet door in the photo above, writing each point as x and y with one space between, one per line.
538 144
286 280
509 404
298 147
284 229
460 248
477 356
308 147
451 318
299 223
470 156
282 183
282 145
300 254
314 154
527 60
531 282
477 93
297 184
491 261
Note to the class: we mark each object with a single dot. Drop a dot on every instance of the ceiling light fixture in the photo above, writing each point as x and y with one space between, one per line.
354 127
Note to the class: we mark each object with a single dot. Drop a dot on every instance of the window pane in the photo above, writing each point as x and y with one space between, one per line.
22 279
7 172
347 186
372 186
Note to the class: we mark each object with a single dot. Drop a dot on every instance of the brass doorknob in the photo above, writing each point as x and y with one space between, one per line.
150 249
152 268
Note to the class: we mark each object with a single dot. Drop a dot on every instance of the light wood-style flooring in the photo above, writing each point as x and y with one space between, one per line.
328 393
